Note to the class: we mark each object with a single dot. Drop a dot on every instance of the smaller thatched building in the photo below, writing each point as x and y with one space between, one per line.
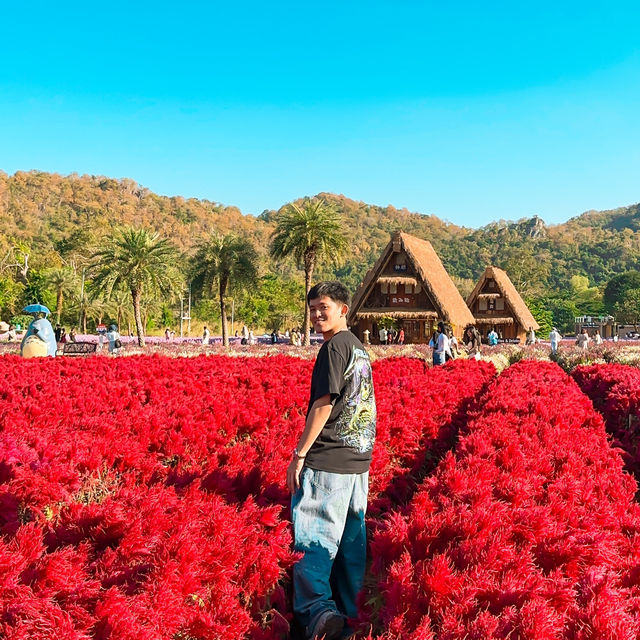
495 302
409 286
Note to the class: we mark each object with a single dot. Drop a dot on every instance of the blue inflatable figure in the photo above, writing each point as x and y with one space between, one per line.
39 340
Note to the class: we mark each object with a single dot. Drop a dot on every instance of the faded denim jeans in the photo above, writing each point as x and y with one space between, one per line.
438 358
329 528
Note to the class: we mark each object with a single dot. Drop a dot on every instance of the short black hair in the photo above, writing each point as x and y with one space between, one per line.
332 289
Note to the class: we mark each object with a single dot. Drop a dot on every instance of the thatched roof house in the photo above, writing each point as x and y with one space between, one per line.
409 285
495 302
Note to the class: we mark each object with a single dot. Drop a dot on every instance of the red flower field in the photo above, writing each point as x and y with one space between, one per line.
144 497
615 392
528 531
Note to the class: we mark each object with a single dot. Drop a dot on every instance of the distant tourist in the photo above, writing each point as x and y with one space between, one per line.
472 341
453 344
433 343
72 335
441 346
597 338
555 338
382 334
205 335
583 339
114 340
365 336
102 338
274 337
531 336
167 334
400 336
492 337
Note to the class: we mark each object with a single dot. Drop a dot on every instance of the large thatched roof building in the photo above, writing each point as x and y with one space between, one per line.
409 285
495 302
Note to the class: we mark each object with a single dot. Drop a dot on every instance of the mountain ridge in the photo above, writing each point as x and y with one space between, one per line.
56 214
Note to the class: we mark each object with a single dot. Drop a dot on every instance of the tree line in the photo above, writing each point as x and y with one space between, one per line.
135 272
49 224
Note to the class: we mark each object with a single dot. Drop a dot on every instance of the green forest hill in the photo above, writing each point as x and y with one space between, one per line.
56 217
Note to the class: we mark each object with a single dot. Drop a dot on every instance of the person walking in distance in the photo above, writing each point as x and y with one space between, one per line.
531 336
453 344
471 340
583 339
441 346
554 338
113 337
328 475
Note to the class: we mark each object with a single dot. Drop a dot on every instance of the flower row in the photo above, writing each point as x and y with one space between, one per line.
615 392
529 530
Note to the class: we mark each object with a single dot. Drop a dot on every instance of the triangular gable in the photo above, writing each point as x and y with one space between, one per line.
509 293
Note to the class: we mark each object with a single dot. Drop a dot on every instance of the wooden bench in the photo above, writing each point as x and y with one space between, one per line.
79 348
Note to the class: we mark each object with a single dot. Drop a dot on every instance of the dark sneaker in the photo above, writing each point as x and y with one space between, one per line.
327 626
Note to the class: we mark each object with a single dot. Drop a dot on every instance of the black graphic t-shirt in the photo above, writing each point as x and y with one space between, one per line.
343 370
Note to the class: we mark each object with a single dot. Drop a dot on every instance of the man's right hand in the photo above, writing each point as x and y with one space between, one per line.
293 474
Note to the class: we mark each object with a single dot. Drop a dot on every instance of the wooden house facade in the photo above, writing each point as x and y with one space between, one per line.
495 302
409 285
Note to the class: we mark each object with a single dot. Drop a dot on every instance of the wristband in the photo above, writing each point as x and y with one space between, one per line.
297 455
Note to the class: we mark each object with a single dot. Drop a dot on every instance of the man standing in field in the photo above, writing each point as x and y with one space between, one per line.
555 338
441 346
329 473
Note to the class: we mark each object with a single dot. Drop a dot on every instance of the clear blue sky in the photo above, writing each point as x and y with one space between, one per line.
471 111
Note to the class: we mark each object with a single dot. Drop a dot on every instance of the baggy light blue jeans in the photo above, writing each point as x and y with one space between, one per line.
329 528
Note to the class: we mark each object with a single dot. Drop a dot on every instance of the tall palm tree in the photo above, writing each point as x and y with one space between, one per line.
139 261
310 232
62 280
226 262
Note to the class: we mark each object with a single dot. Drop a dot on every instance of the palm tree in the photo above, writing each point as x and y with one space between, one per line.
63 281
228 261
310 232
139 261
